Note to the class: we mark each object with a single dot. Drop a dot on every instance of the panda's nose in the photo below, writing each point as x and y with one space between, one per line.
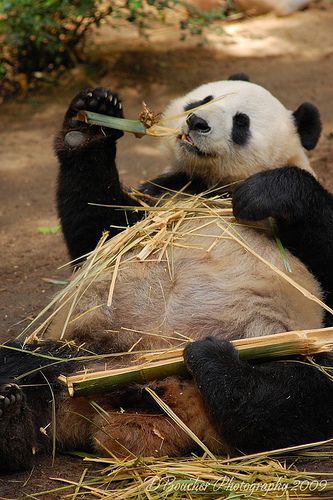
198 124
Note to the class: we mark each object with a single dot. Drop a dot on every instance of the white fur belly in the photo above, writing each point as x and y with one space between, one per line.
220 290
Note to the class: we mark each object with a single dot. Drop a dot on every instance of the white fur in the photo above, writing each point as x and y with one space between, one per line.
274 141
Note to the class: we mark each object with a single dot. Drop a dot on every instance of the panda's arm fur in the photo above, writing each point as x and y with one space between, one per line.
258 407
174 181
303 210
88 174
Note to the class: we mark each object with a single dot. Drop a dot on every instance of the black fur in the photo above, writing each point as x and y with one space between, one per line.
240 77
174 182
307 120
25 408
88 174
240 129
264 406
303 210
195 104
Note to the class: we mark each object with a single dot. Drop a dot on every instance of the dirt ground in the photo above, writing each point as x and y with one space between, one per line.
292 57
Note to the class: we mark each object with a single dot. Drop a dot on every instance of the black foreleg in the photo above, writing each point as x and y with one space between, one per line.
259 407
303 210
88 174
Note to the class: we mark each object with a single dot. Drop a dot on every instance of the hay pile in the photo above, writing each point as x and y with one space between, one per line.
270 476
166 226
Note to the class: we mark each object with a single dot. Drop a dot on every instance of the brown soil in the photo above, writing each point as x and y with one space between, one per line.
292 57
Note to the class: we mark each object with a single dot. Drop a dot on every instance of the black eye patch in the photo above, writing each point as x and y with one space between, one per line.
195 104
240 128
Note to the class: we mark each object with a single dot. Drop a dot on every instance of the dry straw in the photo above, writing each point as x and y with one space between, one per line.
149 238
164 228
269 475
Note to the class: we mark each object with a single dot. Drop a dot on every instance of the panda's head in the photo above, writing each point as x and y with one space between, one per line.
247 131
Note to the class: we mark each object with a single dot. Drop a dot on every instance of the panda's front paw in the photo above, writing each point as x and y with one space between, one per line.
208 354
11 400
290 194
97 100
253 199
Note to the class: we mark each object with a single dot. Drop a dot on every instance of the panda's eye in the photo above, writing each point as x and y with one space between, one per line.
195 104
240 128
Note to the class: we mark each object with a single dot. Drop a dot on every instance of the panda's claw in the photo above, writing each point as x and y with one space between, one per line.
11 398
99 100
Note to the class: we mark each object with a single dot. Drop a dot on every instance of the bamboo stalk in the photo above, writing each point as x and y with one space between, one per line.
136 127
102 381
165 363
304 342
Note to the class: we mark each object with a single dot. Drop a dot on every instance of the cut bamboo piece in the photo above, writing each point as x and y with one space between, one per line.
136 127
302 342
165 363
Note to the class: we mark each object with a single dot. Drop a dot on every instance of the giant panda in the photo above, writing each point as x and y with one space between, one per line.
252 143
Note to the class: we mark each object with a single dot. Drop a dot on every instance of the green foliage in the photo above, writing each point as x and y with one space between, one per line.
38 37
197 19
42 35
47 230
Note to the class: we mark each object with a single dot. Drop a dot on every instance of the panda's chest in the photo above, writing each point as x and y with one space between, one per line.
208 282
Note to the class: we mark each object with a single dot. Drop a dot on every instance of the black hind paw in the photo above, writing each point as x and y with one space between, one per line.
17 429
11 400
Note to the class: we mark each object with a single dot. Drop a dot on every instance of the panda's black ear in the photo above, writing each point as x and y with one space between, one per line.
240 76
308 124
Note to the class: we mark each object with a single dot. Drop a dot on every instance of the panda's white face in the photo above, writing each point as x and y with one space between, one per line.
247 131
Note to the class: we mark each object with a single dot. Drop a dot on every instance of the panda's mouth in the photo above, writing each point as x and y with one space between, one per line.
187 142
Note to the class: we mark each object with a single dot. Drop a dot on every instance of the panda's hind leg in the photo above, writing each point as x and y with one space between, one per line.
149 431
17 443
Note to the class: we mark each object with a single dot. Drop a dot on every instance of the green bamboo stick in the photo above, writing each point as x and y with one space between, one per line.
139 375
273 346
134 126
